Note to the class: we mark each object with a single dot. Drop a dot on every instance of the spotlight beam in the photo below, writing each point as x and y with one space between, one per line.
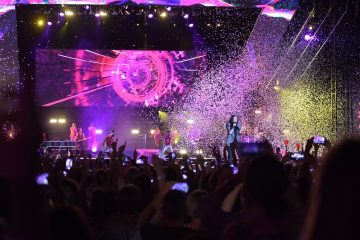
77 95
189 59
290 47
327 39
307 46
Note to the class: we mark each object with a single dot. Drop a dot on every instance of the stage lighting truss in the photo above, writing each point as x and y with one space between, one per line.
160 11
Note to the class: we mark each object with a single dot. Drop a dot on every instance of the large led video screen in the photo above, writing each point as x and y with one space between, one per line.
120 78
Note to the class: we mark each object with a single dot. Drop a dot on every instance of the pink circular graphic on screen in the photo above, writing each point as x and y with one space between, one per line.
143 76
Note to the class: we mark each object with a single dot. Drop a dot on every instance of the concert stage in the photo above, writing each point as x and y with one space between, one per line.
136 71
132 69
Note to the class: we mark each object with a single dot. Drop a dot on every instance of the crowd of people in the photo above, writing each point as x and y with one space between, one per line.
269 196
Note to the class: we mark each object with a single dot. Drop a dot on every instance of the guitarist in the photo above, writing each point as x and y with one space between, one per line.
81 140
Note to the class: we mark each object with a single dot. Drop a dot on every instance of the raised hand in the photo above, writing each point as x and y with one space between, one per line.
121 149
114 145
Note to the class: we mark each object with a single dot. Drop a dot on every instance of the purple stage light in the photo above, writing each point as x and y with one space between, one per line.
94 149
308 37
186 16
87 7
61 14
150 15
97 15
49 23
99 131
168 9
191 25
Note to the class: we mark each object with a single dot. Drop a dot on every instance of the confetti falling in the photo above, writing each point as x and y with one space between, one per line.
9 68
305 113
225 89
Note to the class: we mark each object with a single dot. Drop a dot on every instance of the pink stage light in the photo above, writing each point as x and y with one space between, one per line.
94 149
98 131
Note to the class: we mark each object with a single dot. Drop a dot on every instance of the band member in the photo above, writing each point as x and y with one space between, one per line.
81 140
157 137
233 138
73 132
109 140
92 136
167 148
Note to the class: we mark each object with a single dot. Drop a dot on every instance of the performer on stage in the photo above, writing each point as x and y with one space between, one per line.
92 136
81 140
73 132
109 140
167 148
233 138
157 137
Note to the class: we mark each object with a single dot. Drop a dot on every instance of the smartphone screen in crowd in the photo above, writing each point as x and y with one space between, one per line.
297 156
42 179
181 186
139 161
319 140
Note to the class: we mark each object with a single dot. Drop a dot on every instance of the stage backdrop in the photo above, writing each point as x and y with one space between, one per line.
117 78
